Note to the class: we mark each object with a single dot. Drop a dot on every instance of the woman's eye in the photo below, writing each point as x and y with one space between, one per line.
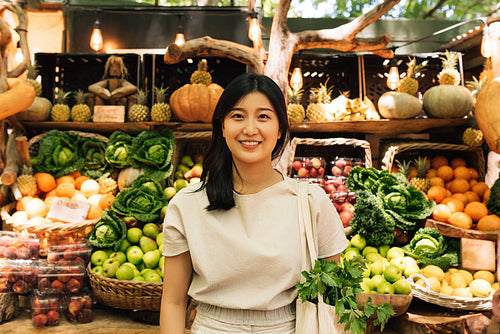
237 116
264 116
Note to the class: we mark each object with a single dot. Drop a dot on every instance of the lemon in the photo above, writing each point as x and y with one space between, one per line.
432 271
467 275
446 289
457 280
480 288
435 283
486 275
462 292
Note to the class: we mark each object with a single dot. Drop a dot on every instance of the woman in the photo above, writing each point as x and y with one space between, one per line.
233 243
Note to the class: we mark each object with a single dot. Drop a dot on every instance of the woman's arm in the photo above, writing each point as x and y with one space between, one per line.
178 270
335 257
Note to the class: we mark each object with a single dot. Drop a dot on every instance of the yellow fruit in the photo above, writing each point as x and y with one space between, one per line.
433 271
447 276
495 286
462 292
89 188
35 208
457 280
467 275
485 275
420 282
488 223
65 189
480 288
446 289
435 283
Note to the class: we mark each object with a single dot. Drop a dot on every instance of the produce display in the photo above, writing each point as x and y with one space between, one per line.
46 309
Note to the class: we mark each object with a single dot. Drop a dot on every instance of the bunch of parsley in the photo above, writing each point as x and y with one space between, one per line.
339 284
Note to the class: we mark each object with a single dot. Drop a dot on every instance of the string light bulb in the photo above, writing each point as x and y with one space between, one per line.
296 80
96 41
179 37
254 32
19 54
393 76
486 43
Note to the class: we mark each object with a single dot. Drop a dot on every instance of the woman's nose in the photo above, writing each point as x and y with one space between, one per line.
250 127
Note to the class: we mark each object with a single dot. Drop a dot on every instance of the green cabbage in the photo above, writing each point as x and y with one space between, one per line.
118 149
109 232
93 150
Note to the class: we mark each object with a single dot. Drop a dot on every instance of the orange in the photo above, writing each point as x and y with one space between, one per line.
472 196
486 195
473 173
436 193
458 161
441 212
448 193
461 197
106 200
51 193
445 172
436 181
45 182
412 173
431 173
459 186
79 180
488 223
76 174
438 161
472 182
447 185
476 210
454 204
65 189
66 179
460 219
94 212
462 172
480 188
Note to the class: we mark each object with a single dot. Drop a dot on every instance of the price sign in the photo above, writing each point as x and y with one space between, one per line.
115 114
68 211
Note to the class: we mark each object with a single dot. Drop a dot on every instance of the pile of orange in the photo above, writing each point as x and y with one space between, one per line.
459 195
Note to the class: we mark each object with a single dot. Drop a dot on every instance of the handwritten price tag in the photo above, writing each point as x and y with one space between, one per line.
68 211
114 114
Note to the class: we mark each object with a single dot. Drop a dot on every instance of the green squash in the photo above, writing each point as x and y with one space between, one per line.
398 105
447 101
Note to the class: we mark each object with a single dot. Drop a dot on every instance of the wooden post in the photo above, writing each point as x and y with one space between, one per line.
495 47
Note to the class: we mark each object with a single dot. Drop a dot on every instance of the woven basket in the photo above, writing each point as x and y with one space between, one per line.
329 148
129 295
411 150
441 299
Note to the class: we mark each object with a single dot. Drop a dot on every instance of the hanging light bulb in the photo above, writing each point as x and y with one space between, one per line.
486 43
393 76
19 54
296 80
254 27
96 41
179 37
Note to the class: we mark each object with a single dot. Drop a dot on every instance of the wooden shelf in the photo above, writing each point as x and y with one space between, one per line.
380 127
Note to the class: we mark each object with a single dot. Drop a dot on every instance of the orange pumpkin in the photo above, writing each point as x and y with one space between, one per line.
488 115
195 102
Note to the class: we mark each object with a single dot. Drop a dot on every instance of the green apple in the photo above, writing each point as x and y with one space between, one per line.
366 273
398 262
134 254
153 277
160 248
98 270
392 273
130 264
376 281
410 270
169 192
350 253
402 287
369 249
124 273
365 287
372 257
385 288
145 271
125 244
367 282
180 184
151 258
147 244
98 257
187 160
119 256
134 234
109 267
138 278
383 250
358 241
394 252
376 268
163 211
151 230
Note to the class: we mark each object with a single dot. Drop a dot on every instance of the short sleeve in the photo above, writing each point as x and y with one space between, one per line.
330 231
174 236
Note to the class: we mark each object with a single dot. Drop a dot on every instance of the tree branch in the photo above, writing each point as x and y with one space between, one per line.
431 11
22 30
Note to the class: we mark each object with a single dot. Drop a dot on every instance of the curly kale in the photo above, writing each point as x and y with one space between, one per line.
117 152
493 203
109 232
93 150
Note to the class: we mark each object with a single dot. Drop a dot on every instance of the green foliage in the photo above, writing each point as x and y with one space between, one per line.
117 152
338 284
109 232
93 151
493 203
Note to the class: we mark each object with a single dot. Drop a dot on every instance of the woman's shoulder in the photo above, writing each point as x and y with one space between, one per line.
313 189
190 192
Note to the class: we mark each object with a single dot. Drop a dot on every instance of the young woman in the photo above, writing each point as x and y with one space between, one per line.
233 243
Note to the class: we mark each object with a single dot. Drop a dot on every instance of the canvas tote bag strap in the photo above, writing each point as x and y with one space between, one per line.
309 254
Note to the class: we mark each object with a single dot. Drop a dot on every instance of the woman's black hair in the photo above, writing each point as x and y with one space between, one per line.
217 176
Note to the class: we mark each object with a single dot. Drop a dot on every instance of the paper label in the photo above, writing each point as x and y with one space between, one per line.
114 114
478 254
68 211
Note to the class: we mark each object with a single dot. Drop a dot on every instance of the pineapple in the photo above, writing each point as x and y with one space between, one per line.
80 111
201 76
475 86
60 112
403 167
139 112
409 84
160 112
318 108
295 110
449 74
26 182
421 182
473 137
108 185
31 78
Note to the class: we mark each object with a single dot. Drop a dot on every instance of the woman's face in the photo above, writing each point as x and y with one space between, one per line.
251 130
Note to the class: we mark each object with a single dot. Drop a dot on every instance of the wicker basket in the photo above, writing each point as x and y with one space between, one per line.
129 295
329 148
441 299
410 150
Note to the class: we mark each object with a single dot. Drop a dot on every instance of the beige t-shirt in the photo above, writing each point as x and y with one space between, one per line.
248 257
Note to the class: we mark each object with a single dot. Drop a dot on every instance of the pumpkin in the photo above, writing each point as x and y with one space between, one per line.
487 112
195 102
37 112
398 105
127 176
447 101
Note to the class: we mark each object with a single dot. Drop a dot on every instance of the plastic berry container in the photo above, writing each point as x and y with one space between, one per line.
308 167
19 246
17 276
46 310
335 183
79 308
58 278
68 254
